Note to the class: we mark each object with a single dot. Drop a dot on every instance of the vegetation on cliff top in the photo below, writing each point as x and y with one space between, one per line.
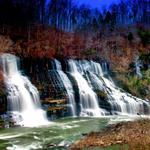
41 28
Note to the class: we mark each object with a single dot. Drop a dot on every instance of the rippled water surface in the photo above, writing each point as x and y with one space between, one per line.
57 135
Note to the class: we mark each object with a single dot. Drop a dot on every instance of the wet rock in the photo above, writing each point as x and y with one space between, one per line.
84 134
51 145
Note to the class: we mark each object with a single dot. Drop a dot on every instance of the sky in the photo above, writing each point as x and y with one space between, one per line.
97 3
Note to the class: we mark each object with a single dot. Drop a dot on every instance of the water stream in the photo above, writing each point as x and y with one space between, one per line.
56 136
68 86
88 98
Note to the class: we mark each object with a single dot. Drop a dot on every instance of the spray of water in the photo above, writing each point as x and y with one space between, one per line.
23 97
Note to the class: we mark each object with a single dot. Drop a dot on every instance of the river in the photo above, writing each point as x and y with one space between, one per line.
58 135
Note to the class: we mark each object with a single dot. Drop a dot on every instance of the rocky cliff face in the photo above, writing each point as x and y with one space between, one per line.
38 47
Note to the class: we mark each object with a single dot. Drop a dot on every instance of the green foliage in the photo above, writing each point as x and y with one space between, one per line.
124 86
146 76
144 35
134 85
139 86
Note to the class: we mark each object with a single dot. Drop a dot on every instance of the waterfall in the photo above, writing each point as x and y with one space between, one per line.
68 86
105 67
138 67
120 102
23 98
90 79
88 98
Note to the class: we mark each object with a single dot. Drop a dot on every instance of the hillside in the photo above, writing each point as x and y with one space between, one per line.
119 48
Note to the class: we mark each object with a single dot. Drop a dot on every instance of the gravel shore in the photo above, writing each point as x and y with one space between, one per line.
128 135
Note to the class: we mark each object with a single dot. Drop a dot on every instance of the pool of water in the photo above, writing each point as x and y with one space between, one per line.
58 135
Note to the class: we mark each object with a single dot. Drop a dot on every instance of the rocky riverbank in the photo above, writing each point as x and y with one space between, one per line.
128 135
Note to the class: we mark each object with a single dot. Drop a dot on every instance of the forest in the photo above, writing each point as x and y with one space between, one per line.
66 15
78 29
63 29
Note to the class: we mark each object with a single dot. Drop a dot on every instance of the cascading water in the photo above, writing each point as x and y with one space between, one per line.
138 67
23 97
119 101
105 67
88 99
68 87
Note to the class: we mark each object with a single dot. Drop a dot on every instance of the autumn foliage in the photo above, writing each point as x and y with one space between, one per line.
45 42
